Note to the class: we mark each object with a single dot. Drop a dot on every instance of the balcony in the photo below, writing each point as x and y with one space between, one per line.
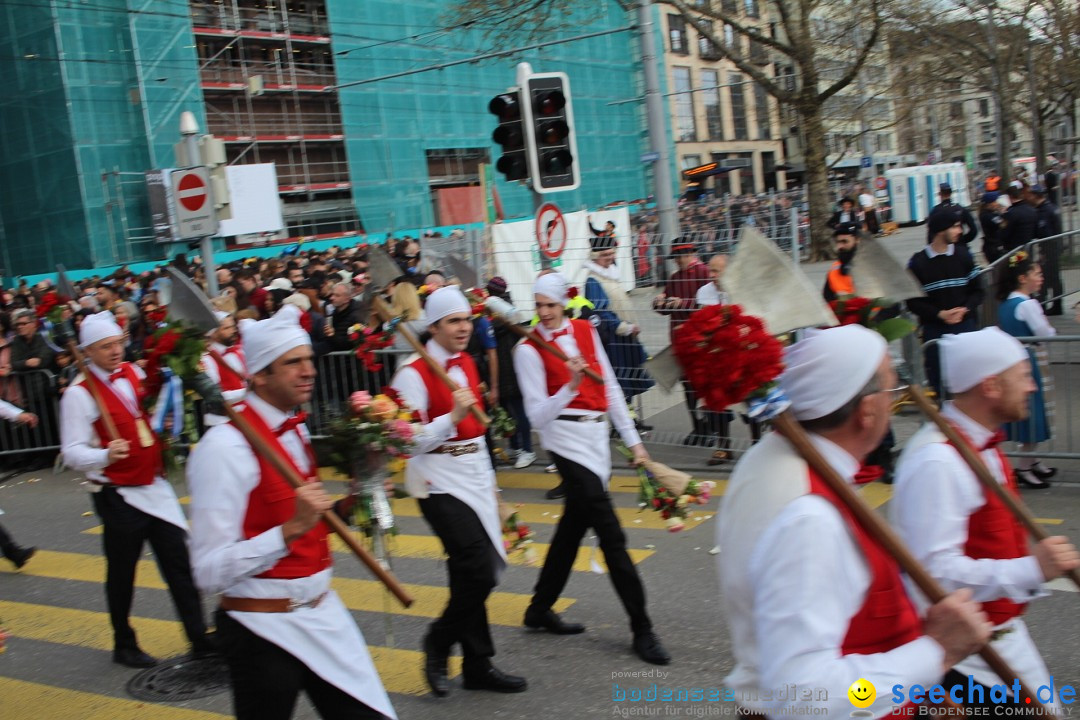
222 74
214 19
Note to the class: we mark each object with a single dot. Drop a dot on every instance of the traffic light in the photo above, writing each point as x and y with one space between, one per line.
549 131
510 135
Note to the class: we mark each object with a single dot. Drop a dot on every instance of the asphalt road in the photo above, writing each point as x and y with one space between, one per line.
58 665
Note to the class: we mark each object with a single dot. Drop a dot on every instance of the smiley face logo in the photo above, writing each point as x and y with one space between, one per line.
862 693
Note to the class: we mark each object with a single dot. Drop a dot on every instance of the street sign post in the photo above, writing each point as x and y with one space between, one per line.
195 217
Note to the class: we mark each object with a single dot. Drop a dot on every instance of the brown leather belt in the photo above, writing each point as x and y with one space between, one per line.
267 605
456 450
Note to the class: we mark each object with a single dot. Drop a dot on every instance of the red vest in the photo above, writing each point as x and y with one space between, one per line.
887 618
591 395
273 502
143 464
229 377
441 400
993 533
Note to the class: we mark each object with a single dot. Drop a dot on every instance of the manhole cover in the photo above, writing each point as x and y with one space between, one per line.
180 679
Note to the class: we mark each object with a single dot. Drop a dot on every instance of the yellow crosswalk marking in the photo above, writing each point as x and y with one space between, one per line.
21 699
399 669
364 595
430 547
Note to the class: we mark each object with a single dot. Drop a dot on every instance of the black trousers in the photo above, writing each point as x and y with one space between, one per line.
266 680
126 529
7 545
472 567
589 505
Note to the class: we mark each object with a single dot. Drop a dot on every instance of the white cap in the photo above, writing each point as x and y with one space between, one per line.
280 284
300 300
220 315
969 358
445 301
267 340
99 326
827 369
552 285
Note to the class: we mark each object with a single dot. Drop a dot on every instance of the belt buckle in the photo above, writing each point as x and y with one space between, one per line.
458 450
294 605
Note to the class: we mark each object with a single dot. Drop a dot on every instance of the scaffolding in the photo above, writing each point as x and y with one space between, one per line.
267 76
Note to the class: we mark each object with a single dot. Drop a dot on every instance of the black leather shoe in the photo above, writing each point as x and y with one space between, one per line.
1029 479
648 648
1043 472
133 658
206 646
555 493
550 621
20 556
435 669
496 680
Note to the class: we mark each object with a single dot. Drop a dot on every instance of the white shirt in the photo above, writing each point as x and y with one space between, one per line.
1031 312
932 253
83 452
866 200
709 294
9 411
934 495
806 551
222 472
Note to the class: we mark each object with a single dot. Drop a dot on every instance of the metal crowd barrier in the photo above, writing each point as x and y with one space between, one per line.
31 391
1050 253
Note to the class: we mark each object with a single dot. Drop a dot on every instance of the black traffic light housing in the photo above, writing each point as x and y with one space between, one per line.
549 133
510 135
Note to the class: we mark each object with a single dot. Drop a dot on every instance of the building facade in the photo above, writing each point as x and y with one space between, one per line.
717 113
96 91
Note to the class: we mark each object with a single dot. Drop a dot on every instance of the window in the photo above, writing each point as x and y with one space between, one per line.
690 161
731 7
738 107
752 8
984 108
706 48
710 94
684 106
986 133
677 34
956 110
729 37
884 142
761 108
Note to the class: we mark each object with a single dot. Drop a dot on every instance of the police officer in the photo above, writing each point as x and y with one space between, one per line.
971 229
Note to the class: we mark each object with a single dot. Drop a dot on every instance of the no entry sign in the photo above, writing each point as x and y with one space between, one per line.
550 230
195 217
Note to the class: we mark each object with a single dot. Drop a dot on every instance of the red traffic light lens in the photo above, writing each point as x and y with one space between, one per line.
505 106
553 133
550 103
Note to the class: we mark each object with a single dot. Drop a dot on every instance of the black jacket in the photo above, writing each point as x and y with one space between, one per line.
1049 220
1021 222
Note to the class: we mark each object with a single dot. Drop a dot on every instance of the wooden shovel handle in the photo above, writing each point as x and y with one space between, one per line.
91 386
874 525
381 309
544 344
975 462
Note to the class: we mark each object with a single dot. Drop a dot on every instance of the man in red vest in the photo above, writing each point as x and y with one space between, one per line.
451 475
809 596
570 411
965 536
263 546
230 376
130 493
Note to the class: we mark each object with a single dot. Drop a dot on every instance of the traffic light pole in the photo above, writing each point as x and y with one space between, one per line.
654 102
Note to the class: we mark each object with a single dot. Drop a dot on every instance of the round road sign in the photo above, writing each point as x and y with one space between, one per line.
191 192
551 230
881 183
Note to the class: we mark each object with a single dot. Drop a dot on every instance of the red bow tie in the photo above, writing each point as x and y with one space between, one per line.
456 361
560 333
116 376
291 423
995 440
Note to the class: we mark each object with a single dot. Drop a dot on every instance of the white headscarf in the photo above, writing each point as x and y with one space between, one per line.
443 302
970 358
552 285
267 340
99 326
828 368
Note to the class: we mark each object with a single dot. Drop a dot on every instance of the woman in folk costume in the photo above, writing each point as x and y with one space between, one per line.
263 546
450 472
1021 315
614 318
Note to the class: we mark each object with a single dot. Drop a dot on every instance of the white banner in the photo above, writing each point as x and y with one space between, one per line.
517 254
